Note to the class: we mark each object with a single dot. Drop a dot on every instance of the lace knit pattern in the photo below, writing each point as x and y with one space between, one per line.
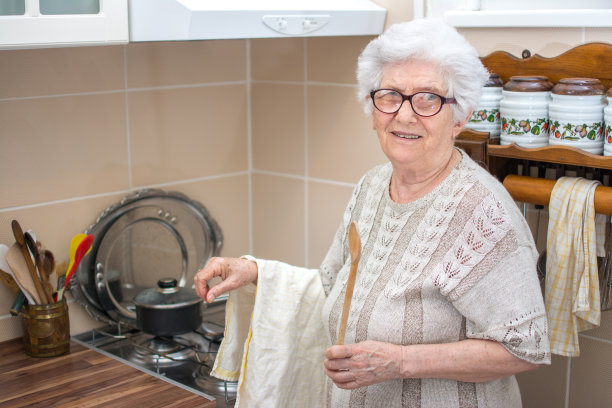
458 263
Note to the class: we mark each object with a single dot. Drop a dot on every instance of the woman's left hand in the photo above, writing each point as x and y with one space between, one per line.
357 365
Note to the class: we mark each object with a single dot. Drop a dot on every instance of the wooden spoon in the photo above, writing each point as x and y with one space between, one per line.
355 251
38 259
48 265
19 238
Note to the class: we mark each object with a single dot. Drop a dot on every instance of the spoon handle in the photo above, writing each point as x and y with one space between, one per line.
348 296
20 238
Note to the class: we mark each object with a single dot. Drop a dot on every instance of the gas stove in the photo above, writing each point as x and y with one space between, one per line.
184 360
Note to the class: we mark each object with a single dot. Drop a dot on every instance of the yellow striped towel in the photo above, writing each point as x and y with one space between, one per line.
572 283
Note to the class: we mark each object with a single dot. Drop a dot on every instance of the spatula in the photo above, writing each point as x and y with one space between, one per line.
82 249
355 251
17 263
20 240
6 268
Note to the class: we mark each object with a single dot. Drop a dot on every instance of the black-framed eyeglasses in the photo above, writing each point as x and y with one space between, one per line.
423 103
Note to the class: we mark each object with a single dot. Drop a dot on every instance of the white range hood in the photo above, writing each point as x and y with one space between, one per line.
172 20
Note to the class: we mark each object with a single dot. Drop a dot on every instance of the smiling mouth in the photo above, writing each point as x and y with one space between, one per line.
406 136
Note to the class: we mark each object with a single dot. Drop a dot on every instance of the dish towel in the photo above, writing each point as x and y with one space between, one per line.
275 341
572 281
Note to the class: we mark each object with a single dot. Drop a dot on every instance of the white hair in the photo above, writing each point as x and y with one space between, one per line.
428 40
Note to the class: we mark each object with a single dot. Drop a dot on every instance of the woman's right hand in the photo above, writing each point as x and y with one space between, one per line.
234 273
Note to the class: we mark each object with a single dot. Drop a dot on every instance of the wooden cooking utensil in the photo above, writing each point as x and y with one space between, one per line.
6 268
8 281
48 266
22 276
31 243
355 251
19 237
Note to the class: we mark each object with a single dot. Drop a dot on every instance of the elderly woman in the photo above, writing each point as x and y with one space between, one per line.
447 305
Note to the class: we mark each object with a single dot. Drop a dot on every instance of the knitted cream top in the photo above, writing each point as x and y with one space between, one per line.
458 263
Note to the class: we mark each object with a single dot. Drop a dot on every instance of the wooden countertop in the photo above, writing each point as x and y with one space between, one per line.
83 378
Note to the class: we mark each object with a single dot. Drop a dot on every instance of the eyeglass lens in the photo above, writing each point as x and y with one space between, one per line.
423 103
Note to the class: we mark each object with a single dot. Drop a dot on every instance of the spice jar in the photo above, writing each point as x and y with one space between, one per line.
607 150
576 114
46 329
486 117
524 111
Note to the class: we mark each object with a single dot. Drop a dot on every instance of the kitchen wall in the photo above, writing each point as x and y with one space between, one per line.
266 133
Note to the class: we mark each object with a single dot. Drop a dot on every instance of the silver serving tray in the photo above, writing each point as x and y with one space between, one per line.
149 235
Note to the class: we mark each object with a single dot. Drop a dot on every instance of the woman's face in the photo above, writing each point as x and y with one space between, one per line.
410 141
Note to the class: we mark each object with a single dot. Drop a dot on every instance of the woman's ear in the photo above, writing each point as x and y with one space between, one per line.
458 126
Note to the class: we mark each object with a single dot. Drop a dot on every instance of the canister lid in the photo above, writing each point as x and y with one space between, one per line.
579 87
609 93
528 83
494 81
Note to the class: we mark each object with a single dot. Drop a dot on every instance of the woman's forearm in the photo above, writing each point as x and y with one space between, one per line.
471 360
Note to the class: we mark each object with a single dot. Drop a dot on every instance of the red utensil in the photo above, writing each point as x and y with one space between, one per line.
81 251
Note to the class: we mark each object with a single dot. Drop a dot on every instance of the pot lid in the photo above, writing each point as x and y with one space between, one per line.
148 235
167 295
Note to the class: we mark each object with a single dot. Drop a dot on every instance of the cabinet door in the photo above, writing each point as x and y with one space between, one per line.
58 23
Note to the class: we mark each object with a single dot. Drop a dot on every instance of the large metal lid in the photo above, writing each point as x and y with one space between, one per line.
149 235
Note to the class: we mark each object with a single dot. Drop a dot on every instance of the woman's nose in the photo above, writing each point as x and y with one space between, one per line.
406 113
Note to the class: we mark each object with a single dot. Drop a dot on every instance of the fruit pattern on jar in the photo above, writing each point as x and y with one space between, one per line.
513 126
489 115
569 131
609 134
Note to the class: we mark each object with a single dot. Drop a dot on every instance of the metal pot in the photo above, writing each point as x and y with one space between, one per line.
168 310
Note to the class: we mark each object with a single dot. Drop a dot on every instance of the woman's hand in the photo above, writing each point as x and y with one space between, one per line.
234 272
357 365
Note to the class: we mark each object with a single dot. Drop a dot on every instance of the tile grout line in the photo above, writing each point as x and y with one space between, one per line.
306 168
249 147
128 135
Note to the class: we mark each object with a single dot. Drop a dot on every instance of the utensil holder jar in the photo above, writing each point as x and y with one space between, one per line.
486 116
576 114
524 111
46 329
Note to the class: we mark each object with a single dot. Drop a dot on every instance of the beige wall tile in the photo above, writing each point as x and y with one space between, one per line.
397 10
341 143
278 127
278 218
590 375
185 133
326 204
56 148
56 223
227 201
277 59
185 62
598 34
334 59
544 387
604 331
548 42
80 320
52 71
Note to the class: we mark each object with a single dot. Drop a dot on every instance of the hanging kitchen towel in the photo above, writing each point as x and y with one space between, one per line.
280 338
572 282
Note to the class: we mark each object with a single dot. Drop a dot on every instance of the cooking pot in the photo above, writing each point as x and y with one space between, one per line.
168 310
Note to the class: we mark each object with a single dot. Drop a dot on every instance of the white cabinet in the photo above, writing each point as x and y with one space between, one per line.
61 23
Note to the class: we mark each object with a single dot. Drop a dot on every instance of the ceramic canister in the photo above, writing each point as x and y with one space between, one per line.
485 117
524 111
607 150
576 114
